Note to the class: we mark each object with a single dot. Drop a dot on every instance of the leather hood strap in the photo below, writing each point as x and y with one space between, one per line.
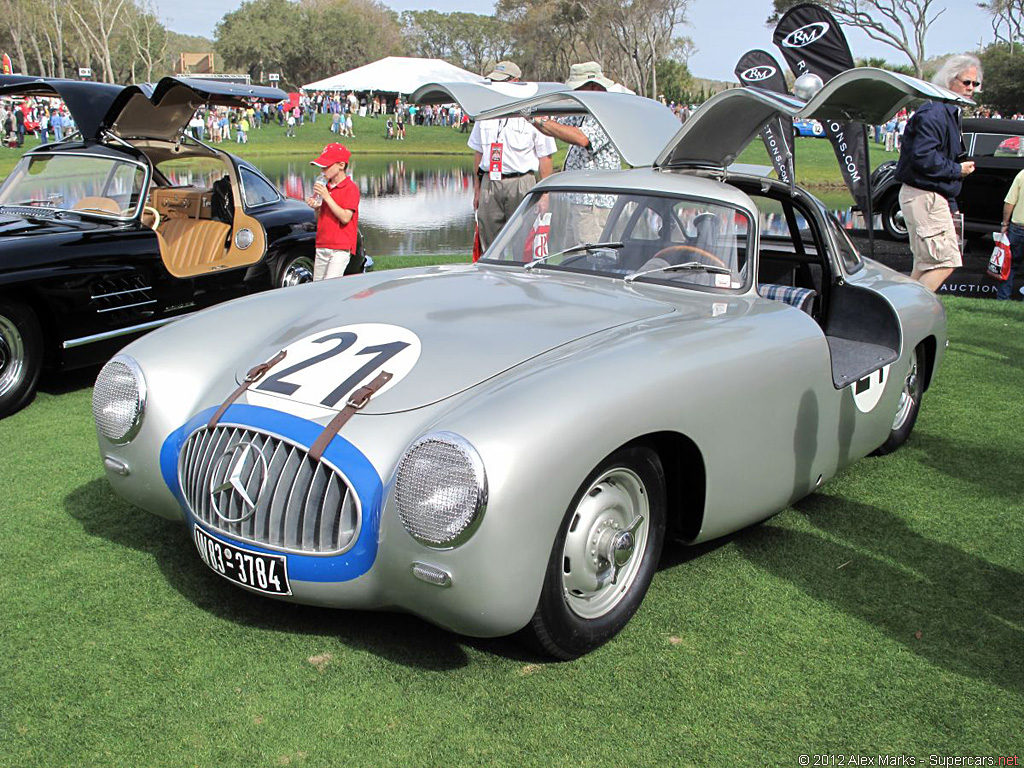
359 399
254 375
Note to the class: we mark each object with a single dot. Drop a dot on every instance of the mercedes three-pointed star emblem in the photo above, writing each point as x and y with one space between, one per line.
238 468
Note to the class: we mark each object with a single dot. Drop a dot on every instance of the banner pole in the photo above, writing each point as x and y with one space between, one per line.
870 214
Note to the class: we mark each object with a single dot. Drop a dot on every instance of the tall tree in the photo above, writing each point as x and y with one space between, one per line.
97 23
900 24
1004 88
1007 20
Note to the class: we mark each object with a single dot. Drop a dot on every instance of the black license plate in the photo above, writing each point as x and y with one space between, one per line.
264 573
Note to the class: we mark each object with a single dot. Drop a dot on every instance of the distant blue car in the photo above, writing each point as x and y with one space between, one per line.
809 128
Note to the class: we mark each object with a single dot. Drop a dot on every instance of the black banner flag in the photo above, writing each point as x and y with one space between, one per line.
759 69
812 41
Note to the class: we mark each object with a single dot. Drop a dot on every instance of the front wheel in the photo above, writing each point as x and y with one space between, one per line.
295 270
892 217
21 356
908 407
604 556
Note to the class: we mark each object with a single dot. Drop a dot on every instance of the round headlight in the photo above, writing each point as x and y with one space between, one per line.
119 399
441 489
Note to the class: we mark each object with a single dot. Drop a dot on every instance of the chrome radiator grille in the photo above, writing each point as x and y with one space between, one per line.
261 489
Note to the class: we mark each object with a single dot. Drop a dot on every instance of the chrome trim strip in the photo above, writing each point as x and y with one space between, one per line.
126 306
122 293
81 342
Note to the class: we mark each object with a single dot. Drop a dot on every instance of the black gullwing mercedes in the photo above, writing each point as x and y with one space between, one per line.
130 223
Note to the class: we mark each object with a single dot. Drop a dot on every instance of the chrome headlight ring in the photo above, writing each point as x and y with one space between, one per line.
440 490
119 399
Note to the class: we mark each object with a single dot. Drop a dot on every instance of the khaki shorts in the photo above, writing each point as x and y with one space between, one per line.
933 239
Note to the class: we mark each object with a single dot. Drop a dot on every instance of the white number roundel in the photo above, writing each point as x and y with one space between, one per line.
868 391
323 369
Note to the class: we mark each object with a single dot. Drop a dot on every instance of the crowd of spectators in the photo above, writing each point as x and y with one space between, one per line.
46 118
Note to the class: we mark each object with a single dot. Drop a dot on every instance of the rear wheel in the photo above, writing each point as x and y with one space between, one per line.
892 217
604 556
21 355
295 270
908 407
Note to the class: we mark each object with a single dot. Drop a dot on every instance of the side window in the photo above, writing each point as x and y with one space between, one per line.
256 190
997 145
198 172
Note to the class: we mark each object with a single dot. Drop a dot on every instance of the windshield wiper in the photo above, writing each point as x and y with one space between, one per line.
574 249
699 266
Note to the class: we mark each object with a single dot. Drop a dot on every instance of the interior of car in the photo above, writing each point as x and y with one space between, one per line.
195 209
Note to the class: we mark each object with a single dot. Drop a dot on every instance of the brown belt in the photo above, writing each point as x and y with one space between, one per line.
358 400
254 375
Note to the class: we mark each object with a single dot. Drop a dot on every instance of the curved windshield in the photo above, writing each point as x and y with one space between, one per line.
634 235
85 184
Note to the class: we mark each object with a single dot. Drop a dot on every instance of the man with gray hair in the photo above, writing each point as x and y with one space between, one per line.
932 167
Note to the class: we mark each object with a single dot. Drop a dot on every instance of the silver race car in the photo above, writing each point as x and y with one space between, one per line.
504 446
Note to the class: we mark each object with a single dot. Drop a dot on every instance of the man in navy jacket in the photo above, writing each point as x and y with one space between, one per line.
931 170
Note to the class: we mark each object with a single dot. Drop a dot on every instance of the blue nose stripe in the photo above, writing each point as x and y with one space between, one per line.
362 476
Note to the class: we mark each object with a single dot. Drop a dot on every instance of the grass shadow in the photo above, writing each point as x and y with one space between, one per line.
56 382
957 611
398 637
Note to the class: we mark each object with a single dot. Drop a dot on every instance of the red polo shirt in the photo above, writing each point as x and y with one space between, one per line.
330 232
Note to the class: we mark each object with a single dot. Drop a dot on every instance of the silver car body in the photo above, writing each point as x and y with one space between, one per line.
544 372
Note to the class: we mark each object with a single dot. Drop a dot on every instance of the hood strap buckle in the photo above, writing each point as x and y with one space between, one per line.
358 400
255 374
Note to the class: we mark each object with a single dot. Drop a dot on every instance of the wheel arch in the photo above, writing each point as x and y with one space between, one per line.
685 481
929 345
24 295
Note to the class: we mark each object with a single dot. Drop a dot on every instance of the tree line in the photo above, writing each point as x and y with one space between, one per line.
637 41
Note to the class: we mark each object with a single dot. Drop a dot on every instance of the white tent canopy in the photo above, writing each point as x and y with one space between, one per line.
395 74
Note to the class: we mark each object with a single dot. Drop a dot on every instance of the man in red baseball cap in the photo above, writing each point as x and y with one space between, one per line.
336 199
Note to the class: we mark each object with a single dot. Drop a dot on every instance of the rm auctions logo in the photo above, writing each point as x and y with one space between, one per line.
806 35
758 74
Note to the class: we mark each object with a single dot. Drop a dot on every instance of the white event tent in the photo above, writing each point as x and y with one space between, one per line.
395 74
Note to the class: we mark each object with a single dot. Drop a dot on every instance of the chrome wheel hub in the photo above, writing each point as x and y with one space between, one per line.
605 543
298 272
12 355
907 397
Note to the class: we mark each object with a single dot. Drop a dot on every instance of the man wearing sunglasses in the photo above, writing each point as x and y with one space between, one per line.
932 167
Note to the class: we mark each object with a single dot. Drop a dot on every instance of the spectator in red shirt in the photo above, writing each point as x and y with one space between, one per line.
337 221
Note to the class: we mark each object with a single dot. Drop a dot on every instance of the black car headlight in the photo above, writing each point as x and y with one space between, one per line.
119 399
441 489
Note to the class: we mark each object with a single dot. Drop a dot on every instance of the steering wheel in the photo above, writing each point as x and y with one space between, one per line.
693 249
154 213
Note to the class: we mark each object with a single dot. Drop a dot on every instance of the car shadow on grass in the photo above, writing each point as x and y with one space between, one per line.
398 637
956 610
62 382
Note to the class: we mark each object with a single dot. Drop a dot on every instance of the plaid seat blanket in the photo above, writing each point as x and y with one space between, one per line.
801 298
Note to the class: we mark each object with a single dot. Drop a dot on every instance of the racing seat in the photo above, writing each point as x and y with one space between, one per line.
192 246
801 298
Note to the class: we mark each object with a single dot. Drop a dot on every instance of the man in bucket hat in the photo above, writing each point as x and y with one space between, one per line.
589 148
336 199
508 152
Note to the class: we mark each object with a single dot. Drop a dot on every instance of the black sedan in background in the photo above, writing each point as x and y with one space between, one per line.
130 224
997 148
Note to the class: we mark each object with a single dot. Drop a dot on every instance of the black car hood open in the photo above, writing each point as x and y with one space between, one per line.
158 111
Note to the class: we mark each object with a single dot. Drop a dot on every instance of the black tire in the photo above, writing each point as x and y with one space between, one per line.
909 405
571 620
296 269
892 217
21 355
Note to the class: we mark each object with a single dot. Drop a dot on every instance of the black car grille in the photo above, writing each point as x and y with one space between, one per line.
296 505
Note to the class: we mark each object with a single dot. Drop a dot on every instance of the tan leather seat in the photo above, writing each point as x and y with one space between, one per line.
192 246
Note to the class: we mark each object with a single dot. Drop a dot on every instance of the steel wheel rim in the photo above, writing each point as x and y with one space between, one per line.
12 355
897 222
299 271
908 396
599 532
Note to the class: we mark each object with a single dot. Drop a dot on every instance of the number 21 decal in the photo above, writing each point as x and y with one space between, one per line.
325 368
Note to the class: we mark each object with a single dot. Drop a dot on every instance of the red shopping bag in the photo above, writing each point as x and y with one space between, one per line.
536 244
999 261
476 243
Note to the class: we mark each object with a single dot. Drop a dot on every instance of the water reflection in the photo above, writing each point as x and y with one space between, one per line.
412 206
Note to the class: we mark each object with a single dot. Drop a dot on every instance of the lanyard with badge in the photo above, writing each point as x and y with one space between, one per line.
496 151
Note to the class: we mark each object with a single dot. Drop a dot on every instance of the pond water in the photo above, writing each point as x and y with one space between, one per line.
421 205
412 206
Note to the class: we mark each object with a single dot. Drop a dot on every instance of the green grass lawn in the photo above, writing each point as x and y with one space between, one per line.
882 615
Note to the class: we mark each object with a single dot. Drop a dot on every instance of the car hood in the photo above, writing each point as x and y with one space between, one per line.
470 324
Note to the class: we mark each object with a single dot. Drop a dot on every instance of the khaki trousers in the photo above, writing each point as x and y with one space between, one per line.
498 200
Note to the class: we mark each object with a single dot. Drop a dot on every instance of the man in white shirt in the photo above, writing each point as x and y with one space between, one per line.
508 153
